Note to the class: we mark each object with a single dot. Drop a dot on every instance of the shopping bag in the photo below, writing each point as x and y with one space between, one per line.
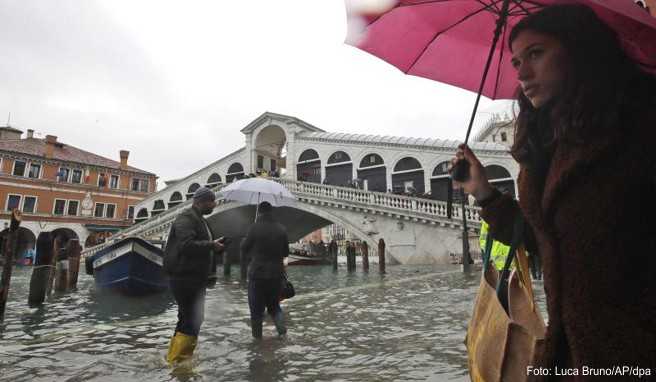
503 340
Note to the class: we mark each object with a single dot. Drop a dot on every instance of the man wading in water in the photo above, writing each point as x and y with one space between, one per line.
189 262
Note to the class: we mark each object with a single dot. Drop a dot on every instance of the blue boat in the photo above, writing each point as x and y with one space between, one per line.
132 266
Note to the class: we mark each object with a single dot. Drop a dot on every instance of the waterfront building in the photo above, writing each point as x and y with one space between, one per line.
62 188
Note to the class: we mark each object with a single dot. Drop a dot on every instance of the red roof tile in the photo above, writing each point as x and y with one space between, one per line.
37 147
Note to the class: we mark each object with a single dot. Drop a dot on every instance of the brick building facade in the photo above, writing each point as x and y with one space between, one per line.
60 187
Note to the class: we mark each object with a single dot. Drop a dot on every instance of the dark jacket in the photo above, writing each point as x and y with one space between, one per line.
189 253
594 227
266 244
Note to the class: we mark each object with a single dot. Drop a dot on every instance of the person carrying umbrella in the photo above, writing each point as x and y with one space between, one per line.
189 261
586 122
267 245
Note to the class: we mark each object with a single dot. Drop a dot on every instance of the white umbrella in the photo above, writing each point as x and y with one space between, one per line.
257 190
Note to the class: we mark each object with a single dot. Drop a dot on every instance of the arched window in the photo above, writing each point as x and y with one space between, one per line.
500 178
235 171
308 168
441 169
440 182
371 160
496 172
339 170
214 180
339 157
158 207
175 199
308 155
141 215
235 168
372 173
192 189
407 164
408 177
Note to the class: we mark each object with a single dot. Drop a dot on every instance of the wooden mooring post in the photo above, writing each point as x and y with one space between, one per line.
350 256
41 269
381 255
333 250
11 244
364 247
56 248
61 267
74 252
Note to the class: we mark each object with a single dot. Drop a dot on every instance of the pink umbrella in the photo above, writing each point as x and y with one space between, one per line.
455 41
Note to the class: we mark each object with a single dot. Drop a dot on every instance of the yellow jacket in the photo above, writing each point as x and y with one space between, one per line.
499 251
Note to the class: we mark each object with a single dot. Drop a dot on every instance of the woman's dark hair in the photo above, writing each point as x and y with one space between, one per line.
603 86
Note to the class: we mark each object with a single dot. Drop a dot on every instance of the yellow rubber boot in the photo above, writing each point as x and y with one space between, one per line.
181 347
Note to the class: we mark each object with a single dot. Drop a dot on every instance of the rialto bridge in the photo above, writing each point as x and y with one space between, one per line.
375 187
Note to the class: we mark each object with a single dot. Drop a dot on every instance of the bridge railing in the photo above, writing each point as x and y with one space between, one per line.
373 199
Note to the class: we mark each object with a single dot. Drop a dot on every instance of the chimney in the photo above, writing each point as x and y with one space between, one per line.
51 140
124 159
30 133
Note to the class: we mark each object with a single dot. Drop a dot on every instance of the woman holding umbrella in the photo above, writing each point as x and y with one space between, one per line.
587 119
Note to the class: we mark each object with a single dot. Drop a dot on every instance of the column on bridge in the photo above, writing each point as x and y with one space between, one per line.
323 174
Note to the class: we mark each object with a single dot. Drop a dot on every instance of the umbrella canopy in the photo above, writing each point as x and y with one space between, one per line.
257 190
449 40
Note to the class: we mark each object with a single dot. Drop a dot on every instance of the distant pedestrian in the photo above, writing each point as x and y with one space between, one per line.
189 261
267 245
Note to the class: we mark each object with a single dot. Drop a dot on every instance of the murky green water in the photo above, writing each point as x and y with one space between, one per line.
406 325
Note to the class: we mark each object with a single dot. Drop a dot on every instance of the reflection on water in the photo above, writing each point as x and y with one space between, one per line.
406 325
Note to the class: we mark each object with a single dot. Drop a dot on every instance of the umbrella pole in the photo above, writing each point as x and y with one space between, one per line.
501 22
257 207
461 170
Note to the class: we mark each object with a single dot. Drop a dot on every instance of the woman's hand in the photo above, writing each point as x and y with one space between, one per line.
477 184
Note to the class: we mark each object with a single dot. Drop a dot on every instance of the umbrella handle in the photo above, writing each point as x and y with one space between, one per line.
460 171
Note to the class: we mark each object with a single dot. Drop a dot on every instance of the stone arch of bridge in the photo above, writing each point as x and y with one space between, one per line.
232 219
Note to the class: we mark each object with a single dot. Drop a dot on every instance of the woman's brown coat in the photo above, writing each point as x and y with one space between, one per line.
595 228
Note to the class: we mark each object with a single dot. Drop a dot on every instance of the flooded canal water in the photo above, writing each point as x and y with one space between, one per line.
408 325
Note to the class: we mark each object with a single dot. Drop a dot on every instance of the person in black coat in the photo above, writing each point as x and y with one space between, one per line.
266 244
189 261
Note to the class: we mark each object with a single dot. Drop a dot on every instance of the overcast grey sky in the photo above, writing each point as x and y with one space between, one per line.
175 81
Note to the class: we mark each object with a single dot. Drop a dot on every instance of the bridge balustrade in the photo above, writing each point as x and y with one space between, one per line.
430 207
403 205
